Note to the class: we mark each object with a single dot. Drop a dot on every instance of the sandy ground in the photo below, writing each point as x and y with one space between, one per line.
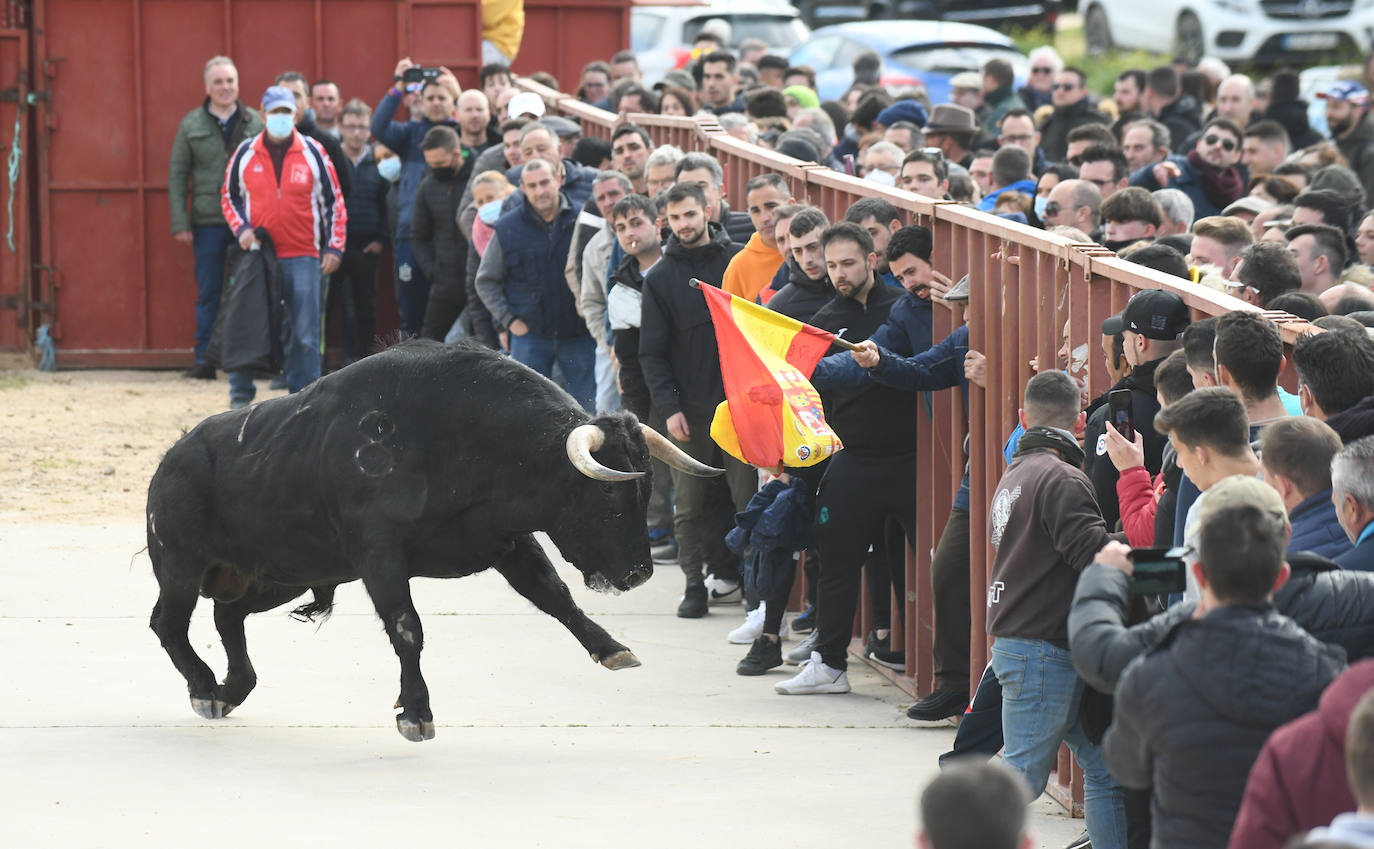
683 751
80 446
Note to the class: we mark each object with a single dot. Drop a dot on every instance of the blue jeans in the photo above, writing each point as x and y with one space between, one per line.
211 247
575 356
303 291
1040 696
412 289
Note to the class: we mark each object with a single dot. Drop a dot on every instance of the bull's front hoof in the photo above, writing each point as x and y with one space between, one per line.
211 708
415 730
621 660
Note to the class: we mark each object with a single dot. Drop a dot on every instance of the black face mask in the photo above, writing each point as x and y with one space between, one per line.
1119 245
445 173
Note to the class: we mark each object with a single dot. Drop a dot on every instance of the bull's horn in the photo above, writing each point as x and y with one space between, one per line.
582 441
662 448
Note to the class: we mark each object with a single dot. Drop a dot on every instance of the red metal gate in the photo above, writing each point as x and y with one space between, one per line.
115 77
18 290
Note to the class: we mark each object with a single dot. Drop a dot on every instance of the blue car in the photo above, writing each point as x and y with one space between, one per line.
915 53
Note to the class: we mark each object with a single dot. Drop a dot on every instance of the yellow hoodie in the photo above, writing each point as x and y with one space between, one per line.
751 269
503 24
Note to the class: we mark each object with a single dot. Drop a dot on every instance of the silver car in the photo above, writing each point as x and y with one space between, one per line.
661 36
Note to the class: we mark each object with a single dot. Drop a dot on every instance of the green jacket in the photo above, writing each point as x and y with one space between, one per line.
199 159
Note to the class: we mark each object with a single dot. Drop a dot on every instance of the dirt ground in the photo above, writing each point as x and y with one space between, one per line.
80 446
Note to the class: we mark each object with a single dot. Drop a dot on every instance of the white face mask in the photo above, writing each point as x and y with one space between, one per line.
882 178
279 124
390 169
490 211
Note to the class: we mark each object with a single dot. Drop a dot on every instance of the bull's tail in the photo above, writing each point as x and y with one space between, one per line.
320 608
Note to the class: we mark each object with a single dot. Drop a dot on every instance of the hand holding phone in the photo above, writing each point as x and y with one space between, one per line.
1158 571
1119 411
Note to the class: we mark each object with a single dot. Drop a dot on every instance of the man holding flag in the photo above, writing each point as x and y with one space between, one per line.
681 364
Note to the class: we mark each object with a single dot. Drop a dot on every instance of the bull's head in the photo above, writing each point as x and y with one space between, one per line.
603 530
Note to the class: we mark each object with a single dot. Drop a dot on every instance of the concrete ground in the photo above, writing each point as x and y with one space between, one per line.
536 745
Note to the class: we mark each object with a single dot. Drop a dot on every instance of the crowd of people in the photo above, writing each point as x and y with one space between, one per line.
509 228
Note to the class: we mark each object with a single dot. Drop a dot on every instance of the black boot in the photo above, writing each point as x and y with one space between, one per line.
764 654
693 599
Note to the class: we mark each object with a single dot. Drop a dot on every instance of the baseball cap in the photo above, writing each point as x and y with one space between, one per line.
677 78
1154 314
967 79
525 103
278 97
562 127
1239 491
1347 91
1249 203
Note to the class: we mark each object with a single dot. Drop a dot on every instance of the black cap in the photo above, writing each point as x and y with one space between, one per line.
1155 314
1113 325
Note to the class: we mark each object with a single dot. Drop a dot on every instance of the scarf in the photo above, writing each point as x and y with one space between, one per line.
1221 188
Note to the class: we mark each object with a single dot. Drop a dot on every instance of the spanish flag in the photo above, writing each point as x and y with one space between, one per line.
771 416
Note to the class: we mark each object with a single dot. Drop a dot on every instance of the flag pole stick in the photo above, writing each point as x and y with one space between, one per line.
841 343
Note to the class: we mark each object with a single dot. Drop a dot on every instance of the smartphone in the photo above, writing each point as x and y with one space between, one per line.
1119 410
417 74
849 164
1158 571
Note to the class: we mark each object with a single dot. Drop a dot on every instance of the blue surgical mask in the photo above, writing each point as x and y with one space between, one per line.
1041 201
390 169
489 212
279 124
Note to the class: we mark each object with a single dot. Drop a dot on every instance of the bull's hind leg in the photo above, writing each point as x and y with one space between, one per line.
527 568
240 679
171 620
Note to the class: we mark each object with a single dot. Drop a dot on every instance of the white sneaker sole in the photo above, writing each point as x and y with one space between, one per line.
813 689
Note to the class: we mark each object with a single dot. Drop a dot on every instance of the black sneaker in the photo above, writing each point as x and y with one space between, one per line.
200 371
764 654
894 659
805 622
941 704
693 599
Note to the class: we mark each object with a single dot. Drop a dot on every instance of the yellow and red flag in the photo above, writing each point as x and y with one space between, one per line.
771 416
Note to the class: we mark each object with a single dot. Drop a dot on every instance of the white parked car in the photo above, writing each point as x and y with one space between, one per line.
1232 30
661 36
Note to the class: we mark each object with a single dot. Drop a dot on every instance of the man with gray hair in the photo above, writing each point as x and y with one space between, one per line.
1145 143
660 169
703 171
1178 211
200 154
818 120
737 124
1352 491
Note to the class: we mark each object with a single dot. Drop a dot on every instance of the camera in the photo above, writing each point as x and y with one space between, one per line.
416 74
1158 571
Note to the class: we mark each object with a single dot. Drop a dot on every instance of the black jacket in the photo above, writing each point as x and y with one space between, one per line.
439 245
871 420
802 296
738 225
1358 149
253 324
1292 116
1098 466
1183 117
342 164
1334 605
634 391
1054 133
1192 714
677 341
1354 423
366 205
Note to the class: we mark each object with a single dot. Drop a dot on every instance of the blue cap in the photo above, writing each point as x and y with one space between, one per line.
278 97
1347 91
903 110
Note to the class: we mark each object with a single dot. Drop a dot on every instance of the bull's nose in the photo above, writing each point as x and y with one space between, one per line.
640 574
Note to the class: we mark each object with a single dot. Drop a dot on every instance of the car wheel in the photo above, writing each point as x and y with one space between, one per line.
1096 33
1189 41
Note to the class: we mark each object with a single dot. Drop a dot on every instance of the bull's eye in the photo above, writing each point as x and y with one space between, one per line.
608 488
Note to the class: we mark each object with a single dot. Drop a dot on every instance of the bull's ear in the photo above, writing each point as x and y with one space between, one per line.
663 449
581 442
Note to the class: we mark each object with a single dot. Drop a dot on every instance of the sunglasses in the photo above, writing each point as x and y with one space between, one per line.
1052 209
1065 86
1227 145
1042 70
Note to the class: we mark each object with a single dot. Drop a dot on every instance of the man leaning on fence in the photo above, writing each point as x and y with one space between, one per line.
200 152
283 183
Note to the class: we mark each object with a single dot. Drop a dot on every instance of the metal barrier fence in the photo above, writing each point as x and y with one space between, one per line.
1026 284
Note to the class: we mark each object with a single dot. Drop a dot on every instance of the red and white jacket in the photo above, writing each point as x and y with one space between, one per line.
298 210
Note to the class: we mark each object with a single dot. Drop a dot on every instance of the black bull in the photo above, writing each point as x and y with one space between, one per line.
422 461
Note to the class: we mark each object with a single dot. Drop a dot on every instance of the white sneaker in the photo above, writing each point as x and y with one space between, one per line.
815 677
752 628
720 591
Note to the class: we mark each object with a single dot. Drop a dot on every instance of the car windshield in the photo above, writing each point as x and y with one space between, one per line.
780 32
953 58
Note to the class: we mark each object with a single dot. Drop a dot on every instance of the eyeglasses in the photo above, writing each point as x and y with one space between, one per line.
1065 86
1042 70
1018 139
1227 145
1052 209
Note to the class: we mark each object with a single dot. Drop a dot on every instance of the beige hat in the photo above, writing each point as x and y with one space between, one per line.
1240 490
967 79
